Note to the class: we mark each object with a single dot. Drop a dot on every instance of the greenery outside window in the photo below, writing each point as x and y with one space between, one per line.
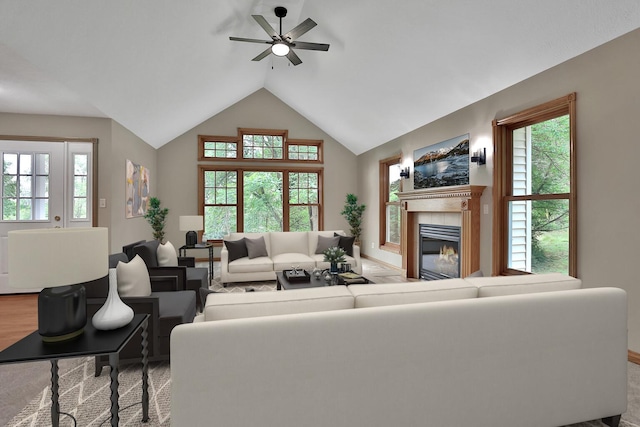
535 190
390 212
270 145
25 186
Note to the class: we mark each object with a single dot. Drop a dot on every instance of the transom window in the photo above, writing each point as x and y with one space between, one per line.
259 144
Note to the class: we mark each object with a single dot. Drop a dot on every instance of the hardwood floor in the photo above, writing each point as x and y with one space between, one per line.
18 317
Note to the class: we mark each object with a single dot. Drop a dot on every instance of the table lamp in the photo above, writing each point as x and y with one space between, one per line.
59 260
191 224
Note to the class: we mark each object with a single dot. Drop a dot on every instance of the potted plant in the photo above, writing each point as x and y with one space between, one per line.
352 212
156 216
334 255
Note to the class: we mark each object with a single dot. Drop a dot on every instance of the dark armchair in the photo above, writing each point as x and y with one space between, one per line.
168 306
195 277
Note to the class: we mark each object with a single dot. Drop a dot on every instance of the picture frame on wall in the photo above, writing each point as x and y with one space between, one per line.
443 164
137 190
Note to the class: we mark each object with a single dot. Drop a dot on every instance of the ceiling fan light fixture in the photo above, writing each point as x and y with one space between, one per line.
280 49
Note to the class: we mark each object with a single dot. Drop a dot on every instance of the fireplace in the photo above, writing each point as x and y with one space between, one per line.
439 252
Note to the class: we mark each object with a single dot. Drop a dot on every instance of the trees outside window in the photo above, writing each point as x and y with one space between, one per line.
535 189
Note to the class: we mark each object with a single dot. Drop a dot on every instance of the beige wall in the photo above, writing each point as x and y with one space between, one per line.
608 148
115 144
178 159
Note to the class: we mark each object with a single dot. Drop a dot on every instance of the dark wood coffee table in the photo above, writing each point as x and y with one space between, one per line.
283 283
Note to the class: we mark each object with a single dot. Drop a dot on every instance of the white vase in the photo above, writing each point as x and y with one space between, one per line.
114 313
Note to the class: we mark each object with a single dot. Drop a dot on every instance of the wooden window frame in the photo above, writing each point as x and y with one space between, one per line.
240 188
238 140
384 165
502 175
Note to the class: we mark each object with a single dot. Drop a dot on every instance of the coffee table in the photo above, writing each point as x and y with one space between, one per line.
283 283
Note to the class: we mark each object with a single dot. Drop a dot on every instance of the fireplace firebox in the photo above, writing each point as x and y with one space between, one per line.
439 252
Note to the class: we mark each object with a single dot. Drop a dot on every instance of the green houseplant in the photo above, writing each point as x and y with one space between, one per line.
352 212
156 216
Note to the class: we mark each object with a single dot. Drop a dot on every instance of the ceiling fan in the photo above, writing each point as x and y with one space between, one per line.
283 44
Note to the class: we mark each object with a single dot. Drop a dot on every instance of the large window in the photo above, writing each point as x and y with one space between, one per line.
535 190
390 217
261 191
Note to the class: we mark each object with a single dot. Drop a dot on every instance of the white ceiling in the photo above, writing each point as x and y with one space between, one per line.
161 67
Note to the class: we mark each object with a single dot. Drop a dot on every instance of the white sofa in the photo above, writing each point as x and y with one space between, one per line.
485 352
284 250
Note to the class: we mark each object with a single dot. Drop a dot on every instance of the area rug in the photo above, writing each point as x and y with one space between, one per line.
87 399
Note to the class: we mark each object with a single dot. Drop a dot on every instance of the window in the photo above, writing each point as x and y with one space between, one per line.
259 144
535 190
253 200
25 186
390 216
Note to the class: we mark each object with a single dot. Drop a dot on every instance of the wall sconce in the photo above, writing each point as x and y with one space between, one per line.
405 173
479 157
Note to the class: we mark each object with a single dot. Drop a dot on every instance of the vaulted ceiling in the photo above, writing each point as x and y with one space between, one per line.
160 67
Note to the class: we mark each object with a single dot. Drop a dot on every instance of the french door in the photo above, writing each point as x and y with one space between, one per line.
45 184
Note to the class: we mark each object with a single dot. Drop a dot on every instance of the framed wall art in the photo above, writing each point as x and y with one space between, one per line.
137 190
443 164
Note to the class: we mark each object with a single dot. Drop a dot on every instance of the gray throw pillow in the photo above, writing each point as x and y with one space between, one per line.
325 243
237 249
346 243
256 247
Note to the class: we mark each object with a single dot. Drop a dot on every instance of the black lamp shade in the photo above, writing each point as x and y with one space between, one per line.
62 312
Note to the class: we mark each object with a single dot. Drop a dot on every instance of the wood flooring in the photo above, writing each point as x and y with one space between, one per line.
18 317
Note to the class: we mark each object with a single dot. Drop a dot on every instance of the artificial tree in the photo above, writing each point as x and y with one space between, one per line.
156 216
352 212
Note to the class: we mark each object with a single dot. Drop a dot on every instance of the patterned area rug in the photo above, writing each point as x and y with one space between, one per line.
87 398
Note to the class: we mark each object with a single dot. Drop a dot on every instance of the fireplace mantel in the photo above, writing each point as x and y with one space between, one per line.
464 199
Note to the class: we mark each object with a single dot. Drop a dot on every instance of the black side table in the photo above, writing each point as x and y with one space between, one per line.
183 253
92 342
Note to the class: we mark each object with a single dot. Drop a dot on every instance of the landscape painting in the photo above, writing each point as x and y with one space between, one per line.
443 164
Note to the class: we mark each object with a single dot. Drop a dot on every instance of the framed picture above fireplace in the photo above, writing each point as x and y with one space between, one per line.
443 164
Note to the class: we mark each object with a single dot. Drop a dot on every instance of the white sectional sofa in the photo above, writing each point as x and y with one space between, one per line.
527 351
284 250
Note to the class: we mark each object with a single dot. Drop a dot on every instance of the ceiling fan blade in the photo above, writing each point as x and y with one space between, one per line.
263 55
267 27
311 46
295 59
300 29
241 39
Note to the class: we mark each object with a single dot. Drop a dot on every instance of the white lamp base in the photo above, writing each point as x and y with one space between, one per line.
114 313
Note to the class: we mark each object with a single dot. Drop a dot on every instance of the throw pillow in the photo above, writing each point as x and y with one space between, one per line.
477 273
256 247
325 243
167 256
133 278
346 243
237 249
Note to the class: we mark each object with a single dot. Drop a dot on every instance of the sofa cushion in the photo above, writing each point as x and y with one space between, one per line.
256 247
167 256
412 292
246 265
346 243
523 284
133 278
289 242
148 251
174 309
237 249
258 304
287 261
325 243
